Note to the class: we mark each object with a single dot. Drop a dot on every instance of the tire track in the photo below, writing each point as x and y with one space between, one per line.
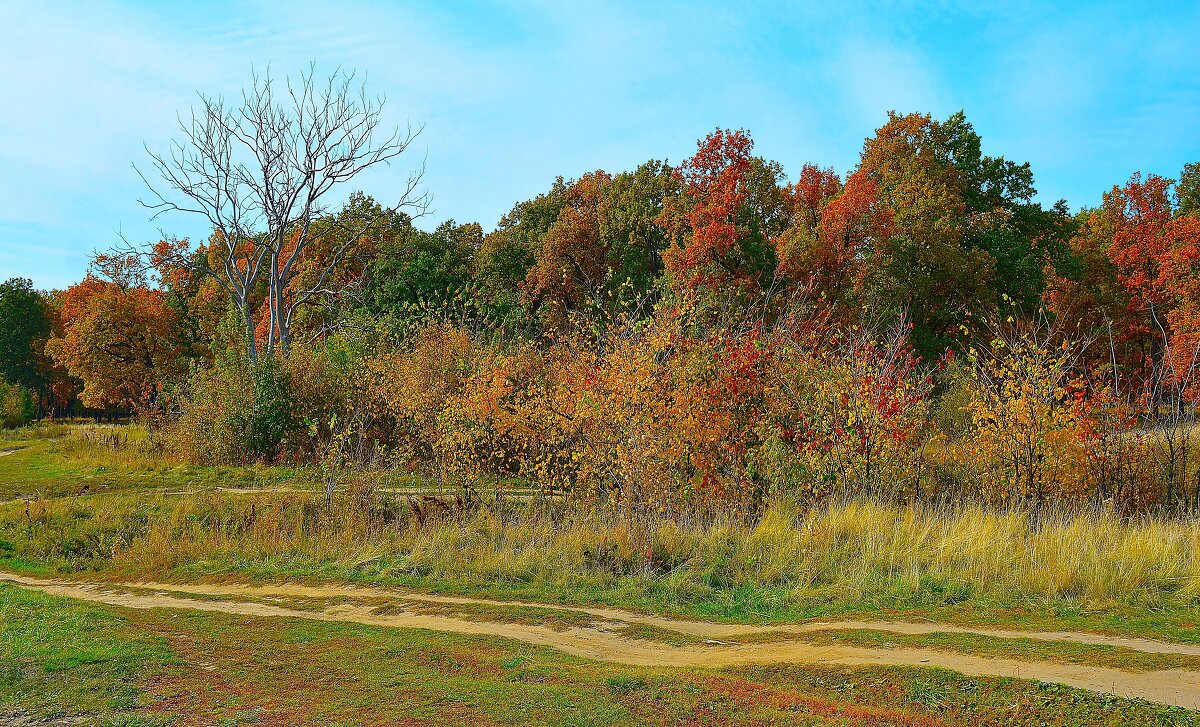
1170 687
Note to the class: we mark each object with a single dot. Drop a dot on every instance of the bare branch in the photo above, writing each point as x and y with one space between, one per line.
261 173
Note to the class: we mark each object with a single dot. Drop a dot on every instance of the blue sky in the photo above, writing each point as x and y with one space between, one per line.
513 95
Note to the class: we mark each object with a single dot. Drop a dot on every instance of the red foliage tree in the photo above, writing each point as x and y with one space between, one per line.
831 227
118 339
717 239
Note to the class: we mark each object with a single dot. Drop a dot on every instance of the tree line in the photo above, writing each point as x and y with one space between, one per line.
710 331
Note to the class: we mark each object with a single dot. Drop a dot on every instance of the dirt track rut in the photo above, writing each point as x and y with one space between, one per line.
600 641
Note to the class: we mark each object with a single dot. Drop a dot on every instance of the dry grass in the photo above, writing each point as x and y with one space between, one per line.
847 556
796 561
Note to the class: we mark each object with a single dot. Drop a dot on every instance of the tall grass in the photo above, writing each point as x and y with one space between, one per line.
842 556
131 446
42 429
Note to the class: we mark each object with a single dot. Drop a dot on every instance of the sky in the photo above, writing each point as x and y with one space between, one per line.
512 95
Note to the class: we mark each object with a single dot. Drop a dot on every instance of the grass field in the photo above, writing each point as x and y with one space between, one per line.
82 506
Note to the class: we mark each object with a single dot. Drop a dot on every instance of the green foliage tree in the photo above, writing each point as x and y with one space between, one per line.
24 328
17 405
1188 190
507 253
1022 237
418 267
965 233
630 206
270 416
925 266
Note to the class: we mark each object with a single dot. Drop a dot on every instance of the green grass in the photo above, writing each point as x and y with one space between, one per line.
954 699
862 561
69 467
61 659
650 632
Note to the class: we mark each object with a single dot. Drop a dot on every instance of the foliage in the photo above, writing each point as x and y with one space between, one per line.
24 328
850 412
417 267
118 338
17 405
925 266
691 340
236 413
668 413
1031 417
832 228
721 223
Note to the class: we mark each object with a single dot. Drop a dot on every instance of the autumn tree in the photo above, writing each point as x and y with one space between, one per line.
119 338
1030 416
262 173
571 258
965 235
847 408
508 252
1140 243
831 227
1152 251
1089 302
603 252
721 224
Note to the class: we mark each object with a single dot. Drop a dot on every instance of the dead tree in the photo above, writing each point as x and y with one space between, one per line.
261 173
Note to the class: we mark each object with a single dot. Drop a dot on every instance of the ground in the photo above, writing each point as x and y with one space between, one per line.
96 628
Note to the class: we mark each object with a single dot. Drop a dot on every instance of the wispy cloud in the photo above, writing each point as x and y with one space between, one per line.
513 94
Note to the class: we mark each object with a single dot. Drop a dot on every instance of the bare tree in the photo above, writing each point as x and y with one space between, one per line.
261 173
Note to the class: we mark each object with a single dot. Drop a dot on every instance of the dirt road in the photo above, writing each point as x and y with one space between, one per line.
602 639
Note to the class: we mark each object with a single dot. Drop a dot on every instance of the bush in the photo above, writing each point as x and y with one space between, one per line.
676 414
274 411
234 413
1031 419
271 416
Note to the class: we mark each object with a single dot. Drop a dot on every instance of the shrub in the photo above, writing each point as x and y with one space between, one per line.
410 387
234 413
669 409
1031 419
850 412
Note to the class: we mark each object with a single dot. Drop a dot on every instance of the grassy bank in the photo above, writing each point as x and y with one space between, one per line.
57 461
1082 568
105 508
167 520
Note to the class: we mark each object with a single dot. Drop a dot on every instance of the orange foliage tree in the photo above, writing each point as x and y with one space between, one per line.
572 262
119 340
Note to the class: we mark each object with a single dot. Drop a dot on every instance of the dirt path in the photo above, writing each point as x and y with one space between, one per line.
600 641
700 629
